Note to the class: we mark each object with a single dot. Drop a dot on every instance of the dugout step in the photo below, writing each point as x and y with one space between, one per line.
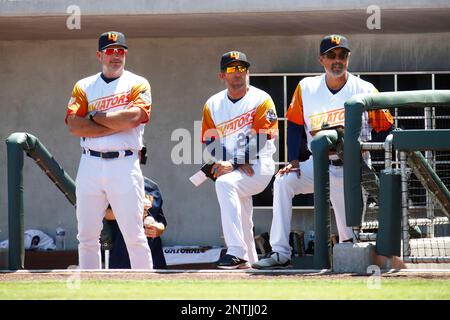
358 257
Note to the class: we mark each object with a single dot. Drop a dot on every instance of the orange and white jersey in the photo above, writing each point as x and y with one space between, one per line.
313 105
233 122
93 93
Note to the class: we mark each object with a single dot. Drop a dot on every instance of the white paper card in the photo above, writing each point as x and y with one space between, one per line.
198 178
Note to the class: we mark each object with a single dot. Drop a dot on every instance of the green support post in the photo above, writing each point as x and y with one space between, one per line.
16 251
320 147
389 230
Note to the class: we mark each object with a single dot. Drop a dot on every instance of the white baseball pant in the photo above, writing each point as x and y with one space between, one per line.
120 183
234 192
285 187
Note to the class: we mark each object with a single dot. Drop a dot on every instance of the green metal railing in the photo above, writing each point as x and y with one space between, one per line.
18 143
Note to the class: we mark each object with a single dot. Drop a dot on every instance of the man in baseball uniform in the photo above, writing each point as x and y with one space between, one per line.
318 102
108 112
239 127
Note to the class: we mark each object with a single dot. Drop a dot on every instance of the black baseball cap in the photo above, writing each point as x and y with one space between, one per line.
111 38
233 56
333 41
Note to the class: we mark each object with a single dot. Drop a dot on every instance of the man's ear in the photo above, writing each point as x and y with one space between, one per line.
99 56
221 75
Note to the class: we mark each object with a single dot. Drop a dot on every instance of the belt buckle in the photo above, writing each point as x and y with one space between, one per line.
110 155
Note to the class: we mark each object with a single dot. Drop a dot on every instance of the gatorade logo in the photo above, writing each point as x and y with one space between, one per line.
112 36
336 39
234 55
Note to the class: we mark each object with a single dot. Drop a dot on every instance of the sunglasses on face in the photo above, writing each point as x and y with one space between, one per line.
332 55
240 69
118 51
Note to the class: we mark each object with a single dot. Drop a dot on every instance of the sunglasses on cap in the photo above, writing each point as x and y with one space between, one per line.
111 51
240 69
332 55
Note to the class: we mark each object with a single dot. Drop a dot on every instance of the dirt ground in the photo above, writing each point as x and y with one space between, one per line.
52 275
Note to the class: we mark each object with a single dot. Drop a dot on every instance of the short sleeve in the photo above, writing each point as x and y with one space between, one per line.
209 130
141 97
78 103
265 119
295 111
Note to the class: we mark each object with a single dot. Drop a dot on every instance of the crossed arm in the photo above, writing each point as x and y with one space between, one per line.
105 124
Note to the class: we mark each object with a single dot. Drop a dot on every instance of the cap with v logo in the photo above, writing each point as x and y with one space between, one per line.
233 56
111 38
333 41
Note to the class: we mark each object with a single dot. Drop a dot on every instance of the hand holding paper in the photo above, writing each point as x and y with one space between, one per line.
203 174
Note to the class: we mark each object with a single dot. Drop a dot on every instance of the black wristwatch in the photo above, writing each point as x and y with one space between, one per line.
92 115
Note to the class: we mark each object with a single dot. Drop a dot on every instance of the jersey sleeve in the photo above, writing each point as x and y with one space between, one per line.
78 104
381 119
295 111
265 119
141 97
209 131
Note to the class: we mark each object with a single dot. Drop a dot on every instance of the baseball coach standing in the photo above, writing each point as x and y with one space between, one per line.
108 111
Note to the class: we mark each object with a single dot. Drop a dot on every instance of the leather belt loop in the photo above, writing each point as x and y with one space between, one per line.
86 151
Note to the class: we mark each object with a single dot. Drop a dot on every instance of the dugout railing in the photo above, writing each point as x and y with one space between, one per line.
413 199
423 213
17 144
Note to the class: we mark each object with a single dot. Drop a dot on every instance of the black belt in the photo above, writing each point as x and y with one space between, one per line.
336 163
107 155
